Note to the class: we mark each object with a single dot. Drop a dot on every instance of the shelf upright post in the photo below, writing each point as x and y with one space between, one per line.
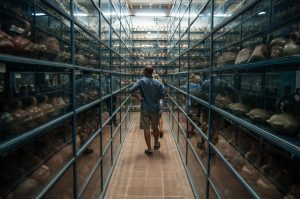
158 46
73 80
179 69
110 69
101 102
34 21
121 58
241 31
120 68
173 66
270 24
210 117
188 73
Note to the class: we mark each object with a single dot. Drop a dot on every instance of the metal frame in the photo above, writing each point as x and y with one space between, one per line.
288 144
14 143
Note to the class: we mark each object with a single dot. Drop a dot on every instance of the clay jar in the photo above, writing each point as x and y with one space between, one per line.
6 44
291 49
52 45
254 154
95 123
58 104
259 115
55 162
277 47
267 189
41 175
226 58
243 56
250 173
260 53
34 111
20 43
270 169
223 101
26 189
238 108
46 108
21 117
285 123
238 161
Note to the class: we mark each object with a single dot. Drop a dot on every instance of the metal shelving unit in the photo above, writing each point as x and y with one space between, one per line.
250 151
85 70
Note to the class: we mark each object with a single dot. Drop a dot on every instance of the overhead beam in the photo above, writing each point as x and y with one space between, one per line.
150 1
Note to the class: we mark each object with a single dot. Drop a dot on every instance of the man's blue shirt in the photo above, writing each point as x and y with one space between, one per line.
151 90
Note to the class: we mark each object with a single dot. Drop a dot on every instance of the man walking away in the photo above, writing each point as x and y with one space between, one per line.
151 91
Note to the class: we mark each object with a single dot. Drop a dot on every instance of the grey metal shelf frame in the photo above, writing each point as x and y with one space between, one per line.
118 58
201 155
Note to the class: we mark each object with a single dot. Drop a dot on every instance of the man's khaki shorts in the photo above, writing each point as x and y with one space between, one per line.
148 120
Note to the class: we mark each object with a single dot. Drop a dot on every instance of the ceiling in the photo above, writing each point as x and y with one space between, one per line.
145 2
136 5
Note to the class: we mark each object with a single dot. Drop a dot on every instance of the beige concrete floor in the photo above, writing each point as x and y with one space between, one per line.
137 176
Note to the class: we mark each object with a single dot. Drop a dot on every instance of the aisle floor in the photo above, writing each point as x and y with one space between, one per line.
137 176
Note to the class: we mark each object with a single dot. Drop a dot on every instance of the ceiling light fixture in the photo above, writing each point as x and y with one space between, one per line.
114 14
147 14
39 14
80 14
261 13
222 15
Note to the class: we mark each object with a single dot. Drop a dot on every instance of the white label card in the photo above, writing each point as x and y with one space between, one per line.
16 29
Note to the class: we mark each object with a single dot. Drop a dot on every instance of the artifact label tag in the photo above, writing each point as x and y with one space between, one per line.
16 29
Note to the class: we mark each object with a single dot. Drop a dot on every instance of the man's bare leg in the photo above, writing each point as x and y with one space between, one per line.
147 138
161 127
156 136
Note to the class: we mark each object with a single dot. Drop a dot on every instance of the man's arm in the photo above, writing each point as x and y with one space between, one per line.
132 90
134 87
136 96
162 92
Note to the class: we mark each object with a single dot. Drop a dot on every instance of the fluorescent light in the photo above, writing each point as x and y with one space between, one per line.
39 14
80 14
148 14
261 13
113 14
222 15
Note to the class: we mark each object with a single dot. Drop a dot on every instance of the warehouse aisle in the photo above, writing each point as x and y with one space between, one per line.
137 176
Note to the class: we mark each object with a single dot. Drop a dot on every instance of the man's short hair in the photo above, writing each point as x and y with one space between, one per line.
148 70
